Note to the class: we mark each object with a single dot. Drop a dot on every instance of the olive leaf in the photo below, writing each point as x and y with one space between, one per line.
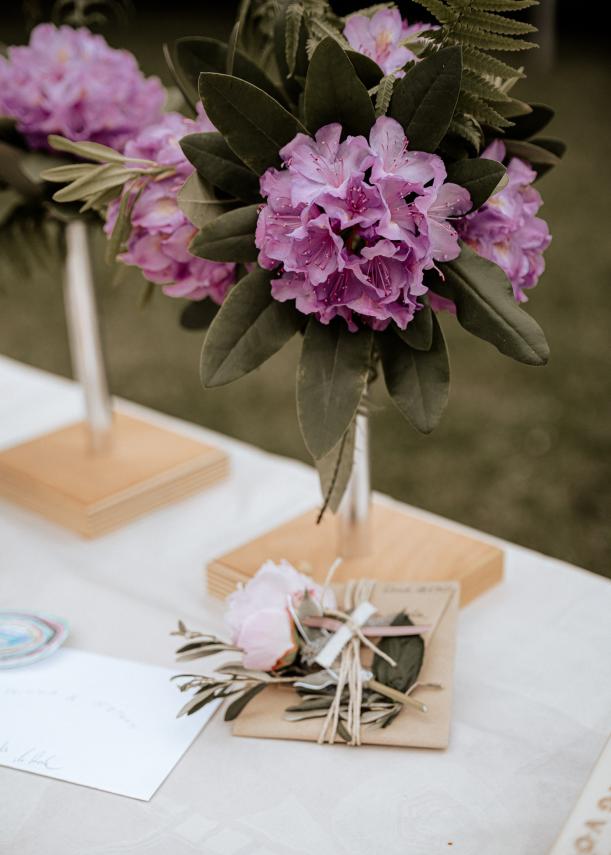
234 709
331 380
334 92
486 307
249 328
100 179
418 381
407 651
93 151
424 101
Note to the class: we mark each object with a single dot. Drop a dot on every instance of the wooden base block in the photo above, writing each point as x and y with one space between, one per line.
405 548
145 467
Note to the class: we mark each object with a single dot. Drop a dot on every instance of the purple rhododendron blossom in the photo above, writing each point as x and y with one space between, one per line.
381 38
70 82
353 225
161 233
506 230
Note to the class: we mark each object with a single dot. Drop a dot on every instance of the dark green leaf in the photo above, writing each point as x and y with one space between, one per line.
198 314
188 90
230 237
368 71
424 100
331 380
556 146
407 651
232 46
513 108
477 175
254 125
334 471
197 201
486 307
197 54
249 328
11 173
334 93
418 381
10 200
234 709
531 123
419 331
532 153
217 164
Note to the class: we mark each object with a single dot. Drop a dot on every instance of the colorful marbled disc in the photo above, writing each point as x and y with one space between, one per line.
26 637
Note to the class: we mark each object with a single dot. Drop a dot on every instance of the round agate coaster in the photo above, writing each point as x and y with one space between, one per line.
26 637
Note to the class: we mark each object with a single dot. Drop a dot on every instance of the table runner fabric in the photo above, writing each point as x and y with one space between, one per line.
532 704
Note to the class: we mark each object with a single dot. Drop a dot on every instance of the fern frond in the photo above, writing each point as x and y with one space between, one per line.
438 9
477 60
480 38
483 87
481 28
503 5
320 30
369 11
384 94
495 23
294 17
482 111
468 129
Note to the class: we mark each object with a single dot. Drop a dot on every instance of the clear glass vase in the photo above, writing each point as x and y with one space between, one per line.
354 513
84 337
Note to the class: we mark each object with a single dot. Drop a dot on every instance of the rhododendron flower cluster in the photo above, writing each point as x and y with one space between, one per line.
506 230
381 37
354 224
70 82
259 614
161 233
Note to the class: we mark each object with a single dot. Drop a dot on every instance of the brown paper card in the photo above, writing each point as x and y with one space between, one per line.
434 603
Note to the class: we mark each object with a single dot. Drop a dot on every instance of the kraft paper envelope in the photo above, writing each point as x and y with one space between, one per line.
434 604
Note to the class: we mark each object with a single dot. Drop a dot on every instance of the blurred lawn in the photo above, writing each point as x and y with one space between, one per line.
522 452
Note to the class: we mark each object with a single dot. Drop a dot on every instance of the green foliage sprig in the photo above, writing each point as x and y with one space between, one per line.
481 28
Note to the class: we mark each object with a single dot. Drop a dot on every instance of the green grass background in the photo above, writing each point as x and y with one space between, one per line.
522 452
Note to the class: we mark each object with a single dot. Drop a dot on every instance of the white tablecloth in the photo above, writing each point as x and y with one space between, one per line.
532 704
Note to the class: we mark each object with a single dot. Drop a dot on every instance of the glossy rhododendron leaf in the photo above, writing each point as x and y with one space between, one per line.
486 307
254 124
249 328
418 381
331 379
424 100
334 93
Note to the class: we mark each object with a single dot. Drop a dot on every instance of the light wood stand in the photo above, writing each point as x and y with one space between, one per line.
145 467
405 548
